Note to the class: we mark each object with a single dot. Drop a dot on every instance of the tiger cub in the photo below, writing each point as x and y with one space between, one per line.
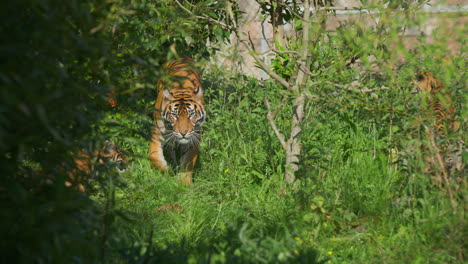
110 154
178 115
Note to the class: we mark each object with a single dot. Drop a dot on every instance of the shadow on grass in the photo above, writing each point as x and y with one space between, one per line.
222 246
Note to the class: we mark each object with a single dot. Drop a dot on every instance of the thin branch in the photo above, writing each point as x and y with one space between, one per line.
205 7
296 71
285 51
263 65
334 8
324 8
251 49
251 42
203 17
271 119
279 52
231 14
357 88
445 176
297 15
279 106
264 37
306 71
265 52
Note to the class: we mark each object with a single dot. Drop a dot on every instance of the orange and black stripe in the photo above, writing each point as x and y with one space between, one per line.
439 101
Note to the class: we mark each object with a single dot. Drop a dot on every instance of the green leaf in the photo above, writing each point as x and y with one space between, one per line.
258 174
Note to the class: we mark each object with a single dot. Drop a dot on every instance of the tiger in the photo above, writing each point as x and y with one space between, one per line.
110 154
439 102
179 113
443 121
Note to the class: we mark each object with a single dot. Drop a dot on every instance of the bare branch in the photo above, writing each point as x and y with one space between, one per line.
251 42
264 37
271 119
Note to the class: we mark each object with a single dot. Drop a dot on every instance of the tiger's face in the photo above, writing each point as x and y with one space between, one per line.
427 83
183 113
113 153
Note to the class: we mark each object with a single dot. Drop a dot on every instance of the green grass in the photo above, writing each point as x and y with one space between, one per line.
352 205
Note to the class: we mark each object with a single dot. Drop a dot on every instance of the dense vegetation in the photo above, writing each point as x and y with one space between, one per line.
363 194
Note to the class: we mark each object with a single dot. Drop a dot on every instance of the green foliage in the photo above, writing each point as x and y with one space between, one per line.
142 35
59 61
49 103
362 197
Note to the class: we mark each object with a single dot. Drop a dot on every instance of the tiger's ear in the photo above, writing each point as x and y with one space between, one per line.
197 90
168 95
109 146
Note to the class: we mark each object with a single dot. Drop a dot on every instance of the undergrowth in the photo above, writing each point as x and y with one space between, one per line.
356 203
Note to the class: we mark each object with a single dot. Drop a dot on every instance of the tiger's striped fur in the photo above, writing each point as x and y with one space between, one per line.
440 151
439 101
109 154
178 116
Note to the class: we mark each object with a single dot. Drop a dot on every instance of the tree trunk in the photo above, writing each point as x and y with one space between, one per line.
277 22
294 145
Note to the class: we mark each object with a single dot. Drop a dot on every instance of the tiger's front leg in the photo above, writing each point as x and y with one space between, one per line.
156 154
187 163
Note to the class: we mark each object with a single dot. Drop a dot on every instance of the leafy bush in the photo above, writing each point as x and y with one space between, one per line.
59 62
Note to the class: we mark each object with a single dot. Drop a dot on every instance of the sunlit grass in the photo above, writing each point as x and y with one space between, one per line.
352 207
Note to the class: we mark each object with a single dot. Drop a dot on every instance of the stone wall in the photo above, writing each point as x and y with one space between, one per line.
451 14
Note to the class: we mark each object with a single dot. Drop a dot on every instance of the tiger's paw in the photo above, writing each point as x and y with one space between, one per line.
158 163
186 177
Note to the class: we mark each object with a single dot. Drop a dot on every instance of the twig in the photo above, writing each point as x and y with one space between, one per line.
306 71
280 105
271 119
203 17
335 8
264 37
297 15
359 90
285 51
263 65
279 52
251 42
445 175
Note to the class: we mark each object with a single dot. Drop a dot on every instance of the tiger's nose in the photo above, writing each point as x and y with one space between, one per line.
184 132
